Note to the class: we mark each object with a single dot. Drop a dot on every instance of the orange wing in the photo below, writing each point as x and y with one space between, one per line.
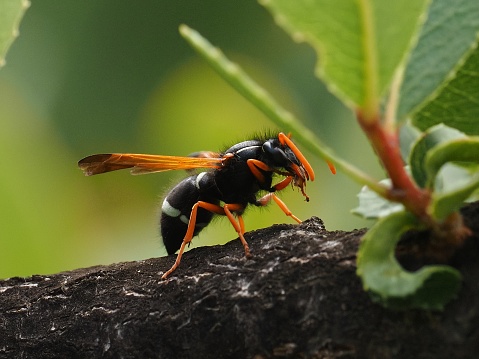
142 164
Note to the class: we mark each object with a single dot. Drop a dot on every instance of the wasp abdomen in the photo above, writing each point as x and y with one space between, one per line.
176 209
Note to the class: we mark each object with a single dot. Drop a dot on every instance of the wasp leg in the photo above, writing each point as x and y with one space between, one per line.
225 211
263 201
238 226
190 231
282 184
255 166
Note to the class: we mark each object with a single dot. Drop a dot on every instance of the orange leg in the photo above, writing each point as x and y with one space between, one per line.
238 226
283 184
263 201
255 166
225 211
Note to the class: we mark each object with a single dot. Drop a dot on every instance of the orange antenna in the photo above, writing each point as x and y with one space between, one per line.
284 140
331 167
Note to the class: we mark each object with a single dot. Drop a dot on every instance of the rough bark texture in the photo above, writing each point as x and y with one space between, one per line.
298 297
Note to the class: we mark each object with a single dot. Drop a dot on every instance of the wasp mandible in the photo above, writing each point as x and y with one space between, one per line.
232 181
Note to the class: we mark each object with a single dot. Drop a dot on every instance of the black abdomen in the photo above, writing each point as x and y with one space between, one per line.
176 208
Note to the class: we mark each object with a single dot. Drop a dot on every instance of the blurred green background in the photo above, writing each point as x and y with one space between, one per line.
90 76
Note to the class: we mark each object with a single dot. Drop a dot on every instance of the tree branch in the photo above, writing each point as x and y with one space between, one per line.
297 297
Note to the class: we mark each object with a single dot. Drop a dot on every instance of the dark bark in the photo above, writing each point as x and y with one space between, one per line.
297 297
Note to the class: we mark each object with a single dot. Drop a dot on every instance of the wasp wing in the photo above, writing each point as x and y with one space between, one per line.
142 164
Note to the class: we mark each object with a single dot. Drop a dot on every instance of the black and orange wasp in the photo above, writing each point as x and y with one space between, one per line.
232 181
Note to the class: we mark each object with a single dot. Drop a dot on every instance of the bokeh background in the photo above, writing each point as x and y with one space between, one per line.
91 76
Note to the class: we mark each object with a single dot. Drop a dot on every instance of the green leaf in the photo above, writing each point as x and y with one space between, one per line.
457 103
440 80
452 184
445 203
458 150
373 206
423 145
455 175
454 180
11 12
359 43
431 287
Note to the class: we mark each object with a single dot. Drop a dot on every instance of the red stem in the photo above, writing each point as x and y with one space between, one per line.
404 190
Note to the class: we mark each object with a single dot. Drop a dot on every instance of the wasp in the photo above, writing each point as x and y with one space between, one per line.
232 181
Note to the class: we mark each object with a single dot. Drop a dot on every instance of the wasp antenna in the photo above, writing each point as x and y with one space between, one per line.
331 167
285 140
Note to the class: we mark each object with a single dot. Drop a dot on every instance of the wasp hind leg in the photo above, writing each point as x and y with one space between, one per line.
227 210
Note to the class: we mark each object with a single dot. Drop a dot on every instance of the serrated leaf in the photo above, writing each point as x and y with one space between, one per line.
431 287
446 38
423 145
359 43
373 206
11 12
457 103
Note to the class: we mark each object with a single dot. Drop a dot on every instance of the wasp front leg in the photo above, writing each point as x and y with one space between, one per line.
263 201
255 166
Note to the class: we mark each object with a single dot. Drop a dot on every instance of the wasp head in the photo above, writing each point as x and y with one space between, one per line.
283 154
